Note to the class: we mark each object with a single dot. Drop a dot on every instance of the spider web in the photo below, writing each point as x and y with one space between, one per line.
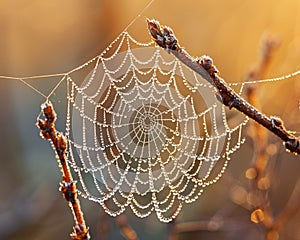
146 132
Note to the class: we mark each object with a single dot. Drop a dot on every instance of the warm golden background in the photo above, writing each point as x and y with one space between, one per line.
44 37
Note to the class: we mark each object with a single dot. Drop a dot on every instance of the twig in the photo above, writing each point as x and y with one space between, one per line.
172 234
125 229
67 186
291 208
259 175
165 38
103 227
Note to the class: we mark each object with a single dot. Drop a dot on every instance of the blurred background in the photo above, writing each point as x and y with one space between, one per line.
45 37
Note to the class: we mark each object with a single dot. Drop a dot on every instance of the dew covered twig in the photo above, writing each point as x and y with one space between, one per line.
165 38
67 186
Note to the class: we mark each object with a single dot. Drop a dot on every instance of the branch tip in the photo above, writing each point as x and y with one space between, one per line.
162 35
68 186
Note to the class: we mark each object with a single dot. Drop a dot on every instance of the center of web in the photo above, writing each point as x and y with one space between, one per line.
146 124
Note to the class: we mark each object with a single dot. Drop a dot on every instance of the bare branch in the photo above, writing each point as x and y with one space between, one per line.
67 186
291 208
258 174
166 39
126 230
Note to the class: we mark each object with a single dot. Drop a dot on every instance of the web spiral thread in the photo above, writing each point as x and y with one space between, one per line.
145 132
